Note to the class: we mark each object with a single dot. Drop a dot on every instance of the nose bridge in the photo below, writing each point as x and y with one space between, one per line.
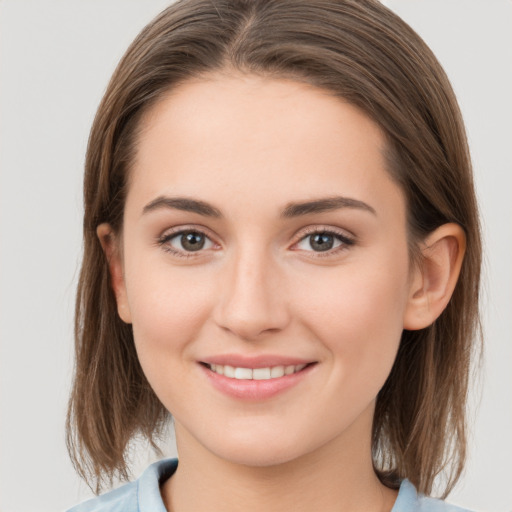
251 301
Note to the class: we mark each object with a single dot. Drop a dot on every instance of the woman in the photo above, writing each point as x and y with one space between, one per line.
282 251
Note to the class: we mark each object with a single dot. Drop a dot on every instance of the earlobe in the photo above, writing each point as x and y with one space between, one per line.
435 277
110 246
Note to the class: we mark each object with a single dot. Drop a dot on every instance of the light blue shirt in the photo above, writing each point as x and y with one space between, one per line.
143 495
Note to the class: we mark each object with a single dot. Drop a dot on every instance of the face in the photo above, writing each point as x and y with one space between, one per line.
264 267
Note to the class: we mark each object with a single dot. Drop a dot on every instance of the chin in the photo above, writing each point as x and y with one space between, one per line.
260 451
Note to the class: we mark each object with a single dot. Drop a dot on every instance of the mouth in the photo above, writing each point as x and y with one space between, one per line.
256 379
265 373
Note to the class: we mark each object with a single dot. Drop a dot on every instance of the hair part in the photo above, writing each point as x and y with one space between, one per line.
361 52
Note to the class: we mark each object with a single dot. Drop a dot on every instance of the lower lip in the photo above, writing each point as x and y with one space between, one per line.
255 389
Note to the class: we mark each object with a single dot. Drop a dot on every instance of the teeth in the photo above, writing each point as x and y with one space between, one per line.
261 373
229 371
277 371
288 370
273 372
243 373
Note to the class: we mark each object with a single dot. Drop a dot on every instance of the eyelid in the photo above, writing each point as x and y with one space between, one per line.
347 238
323 228
170 233
175 230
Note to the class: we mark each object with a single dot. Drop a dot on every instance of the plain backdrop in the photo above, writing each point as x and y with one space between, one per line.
56 57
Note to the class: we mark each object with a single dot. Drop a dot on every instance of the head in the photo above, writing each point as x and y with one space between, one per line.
363 56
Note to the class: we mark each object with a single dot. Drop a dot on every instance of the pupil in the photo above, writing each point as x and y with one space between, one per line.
192 241
322 242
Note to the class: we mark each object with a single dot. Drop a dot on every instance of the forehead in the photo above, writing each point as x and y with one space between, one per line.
232 107
247 135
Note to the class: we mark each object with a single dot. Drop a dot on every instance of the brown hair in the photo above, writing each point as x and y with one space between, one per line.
359 51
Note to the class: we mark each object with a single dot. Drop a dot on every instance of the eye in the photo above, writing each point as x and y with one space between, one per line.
186 242
324 241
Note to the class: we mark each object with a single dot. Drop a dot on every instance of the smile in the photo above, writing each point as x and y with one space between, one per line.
268 373
255 378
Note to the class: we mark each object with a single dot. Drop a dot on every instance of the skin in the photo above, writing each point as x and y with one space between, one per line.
250 147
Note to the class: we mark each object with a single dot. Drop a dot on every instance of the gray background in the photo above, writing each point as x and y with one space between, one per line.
56 57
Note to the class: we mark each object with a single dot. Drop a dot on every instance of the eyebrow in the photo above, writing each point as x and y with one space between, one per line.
184 204
291 210
325 205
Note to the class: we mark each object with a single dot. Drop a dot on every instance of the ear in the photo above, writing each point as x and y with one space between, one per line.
110 244
434 278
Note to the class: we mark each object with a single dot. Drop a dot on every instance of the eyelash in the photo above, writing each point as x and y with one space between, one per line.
346 241
164 240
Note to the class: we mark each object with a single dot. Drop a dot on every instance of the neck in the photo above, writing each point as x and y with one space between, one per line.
337 476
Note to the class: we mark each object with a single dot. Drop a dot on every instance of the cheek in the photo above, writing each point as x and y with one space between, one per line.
169 307
357 312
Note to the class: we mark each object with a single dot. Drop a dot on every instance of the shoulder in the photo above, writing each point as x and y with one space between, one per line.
140 495
122 499
410 501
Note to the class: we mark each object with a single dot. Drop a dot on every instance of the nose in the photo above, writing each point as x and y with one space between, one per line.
252 298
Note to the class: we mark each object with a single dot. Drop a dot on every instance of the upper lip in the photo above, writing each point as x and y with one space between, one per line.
259 361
